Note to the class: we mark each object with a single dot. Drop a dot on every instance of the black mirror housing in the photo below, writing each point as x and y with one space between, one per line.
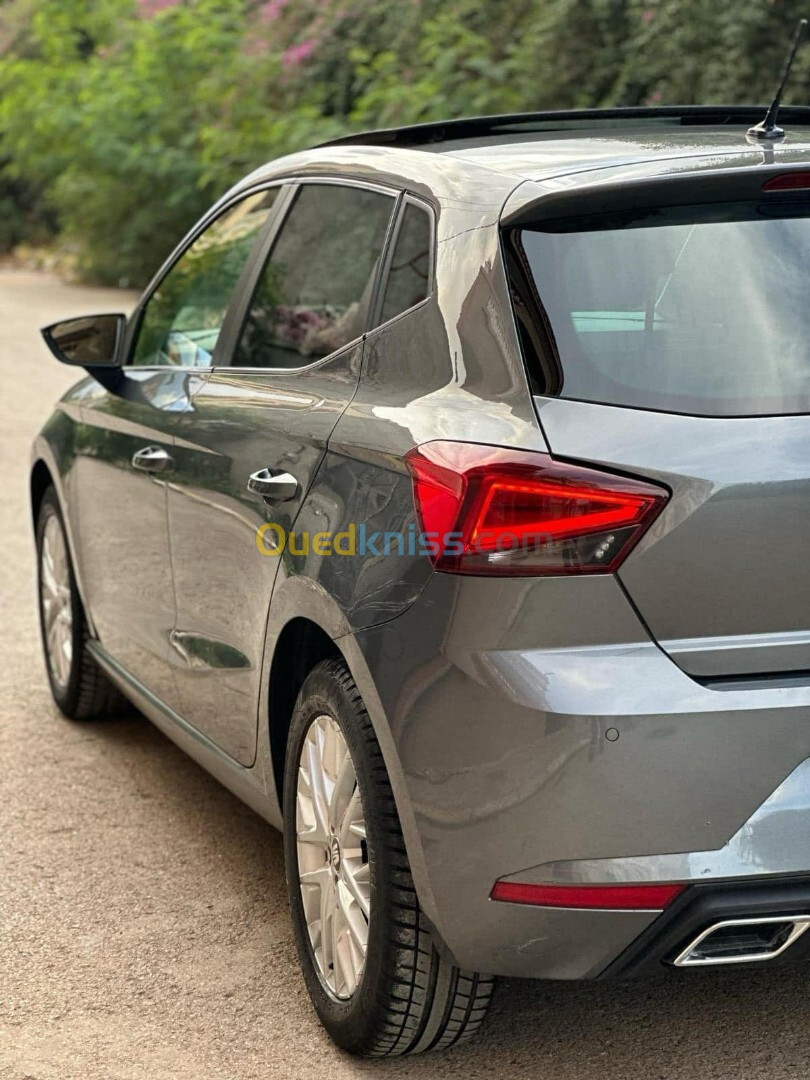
92 341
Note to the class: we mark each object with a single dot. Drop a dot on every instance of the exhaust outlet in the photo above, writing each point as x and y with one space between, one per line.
743 941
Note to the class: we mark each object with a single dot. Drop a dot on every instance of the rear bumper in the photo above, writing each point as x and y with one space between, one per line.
509 765
702 906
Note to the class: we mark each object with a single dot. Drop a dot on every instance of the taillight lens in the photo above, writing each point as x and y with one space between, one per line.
491 510
796 181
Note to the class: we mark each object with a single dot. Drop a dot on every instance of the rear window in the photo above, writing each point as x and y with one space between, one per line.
409 275
703 310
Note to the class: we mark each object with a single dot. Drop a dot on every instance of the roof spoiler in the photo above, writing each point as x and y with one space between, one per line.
618 193
571 120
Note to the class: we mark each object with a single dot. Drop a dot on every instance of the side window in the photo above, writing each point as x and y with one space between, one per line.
409 276
182 319
313 294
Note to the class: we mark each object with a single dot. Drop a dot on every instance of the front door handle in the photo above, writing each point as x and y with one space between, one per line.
152 459
274 486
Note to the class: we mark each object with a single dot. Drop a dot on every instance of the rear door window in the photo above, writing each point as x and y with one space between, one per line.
693 309
411 263
314 291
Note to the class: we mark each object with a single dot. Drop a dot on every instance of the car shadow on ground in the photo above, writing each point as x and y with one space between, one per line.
731 1023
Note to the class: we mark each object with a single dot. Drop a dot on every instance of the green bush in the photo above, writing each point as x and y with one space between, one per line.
120 121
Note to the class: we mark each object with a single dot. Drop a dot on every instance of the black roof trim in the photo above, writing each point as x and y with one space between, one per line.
568 120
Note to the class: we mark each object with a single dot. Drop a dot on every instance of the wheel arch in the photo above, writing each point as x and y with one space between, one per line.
302 612
40 480
300 646
46 471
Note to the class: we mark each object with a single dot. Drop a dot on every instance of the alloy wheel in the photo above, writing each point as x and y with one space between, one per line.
57 605
333 867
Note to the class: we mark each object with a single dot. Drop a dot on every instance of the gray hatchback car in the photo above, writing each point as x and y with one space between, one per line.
446 497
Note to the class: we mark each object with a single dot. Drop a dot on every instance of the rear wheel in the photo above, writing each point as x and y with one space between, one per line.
380 981
78 685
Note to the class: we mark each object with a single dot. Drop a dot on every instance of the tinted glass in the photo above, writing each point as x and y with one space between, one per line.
694 309
183 318
313 294
409 276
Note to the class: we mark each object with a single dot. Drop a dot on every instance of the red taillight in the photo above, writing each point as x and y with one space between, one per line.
794 181
490 510
606 897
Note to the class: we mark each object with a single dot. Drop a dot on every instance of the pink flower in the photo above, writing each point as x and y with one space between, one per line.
148 8
655 98
272 10
647 15
296 54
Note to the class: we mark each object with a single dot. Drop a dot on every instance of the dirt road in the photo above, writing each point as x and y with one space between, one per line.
143 920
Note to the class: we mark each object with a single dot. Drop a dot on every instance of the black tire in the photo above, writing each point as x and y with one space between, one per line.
411 996
87 694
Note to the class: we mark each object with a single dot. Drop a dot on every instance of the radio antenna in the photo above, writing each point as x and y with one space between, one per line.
767 128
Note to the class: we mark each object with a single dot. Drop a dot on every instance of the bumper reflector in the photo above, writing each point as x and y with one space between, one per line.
610 897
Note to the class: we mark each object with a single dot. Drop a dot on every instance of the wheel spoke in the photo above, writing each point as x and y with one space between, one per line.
66 646
311 897
48 580
337 958
356 918
60 645
346 970
358 883
50 610
308 826
328 907
352 825
319 877
56 602
320 800
56 645
345 784
328 751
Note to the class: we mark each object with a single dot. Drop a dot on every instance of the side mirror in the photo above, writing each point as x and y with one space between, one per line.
93 341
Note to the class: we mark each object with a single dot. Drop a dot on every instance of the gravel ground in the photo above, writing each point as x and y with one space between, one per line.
143 922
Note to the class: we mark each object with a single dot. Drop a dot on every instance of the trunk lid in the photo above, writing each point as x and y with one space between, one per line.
672 342
721 578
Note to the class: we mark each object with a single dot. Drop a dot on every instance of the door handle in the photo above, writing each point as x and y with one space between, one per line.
274 486
152 459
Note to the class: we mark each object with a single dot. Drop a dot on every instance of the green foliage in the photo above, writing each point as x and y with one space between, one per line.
123 119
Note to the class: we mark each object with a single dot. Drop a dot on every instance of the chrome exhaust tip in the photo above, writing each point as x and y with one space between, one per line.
743 941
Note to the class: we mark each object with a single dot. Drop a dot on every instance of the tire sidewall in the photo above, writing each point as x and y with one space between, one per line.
66 697
350 1022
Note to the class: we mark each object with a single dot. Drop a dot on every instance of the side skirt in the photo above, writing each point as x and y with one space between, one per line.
246 783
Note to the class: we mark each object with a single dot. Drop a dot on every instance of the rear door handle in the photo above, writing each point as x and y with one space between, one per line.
152 459
274 486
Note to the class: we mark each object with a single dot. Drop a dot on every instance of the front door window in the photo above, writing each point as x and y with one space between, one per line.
182 320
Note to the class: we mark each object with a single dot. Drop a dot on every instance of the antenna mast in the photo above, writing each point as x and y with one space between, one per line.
767 128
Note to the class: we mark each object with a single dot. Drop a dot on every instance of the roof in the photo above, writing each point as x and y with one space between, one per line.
538 146
486 170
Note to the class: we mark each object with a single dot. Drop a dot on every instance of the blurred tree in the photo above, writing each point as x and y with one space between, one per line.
123 119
